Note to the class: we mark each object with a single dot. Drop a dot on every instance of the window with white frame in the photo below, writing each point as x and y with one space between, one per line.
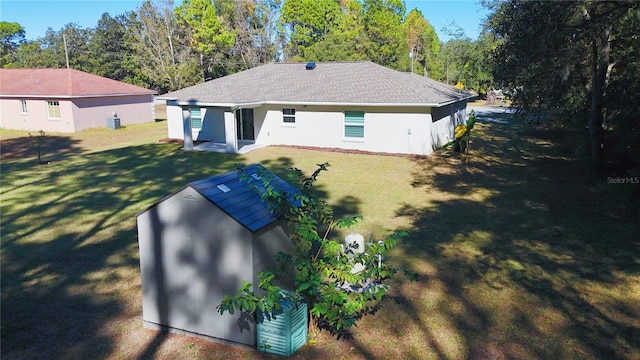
23 106
54 109
196 118
289 116
354 124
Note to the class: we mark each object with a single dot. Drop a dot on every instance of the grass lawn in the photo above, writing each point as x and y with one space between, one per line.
521 254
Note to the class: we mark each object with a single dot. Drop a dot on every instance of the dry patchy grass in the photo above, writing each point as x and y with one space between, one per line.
519 256
17 145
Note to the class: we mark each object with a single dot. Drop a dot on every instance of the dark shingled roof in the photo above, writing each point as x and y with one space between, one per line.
243 202
328 83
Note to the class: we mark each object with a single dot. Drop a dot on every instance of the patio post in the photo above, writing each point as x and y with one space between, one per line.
186 125
231 138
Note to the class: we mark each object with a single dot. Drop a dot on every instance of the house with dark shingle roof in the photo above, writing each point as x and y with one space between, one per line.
68 100
347 105
201 243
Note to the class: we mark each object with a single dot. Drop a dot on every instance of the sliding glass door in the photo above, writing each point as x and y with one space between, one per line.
244 124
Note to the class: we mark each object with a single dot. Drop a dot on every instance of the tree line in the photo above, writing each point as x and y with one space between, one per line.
575 64
165 47
571 63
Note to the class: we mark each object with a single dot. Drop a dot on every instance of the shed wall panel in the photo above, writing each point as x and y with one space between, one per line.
267 243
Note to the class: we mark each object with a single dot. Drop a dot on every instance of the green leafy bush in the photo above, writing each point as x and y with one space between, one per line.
339 285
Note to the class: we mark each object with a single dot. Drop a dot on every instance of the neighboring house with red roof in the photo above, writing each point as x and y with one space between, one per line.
347 105
68 100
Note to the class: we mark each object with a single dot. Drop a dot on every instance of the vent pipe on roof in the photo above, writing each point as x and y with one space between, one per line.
310 65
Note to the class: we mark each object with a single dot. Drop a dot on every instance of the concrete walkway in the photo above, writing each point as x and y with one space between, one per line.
222 148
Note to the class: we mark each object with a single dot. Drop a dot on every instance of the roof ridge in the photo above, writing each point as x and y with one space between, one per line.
320 62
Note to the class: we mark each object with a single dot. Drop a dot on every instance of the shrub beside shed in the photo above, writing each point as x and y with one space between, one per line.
199 244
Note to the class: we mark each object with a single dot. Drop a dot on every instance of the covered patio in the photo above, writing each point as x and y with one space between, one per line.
220 129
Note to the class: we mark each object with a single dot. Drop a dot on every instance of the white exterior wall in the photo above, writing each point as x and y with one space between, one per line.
445 120
391 130
174 122
213 125
406 133
401 130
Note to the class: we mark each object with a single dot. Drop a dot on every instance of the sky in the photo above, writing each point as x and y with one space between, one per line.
35 16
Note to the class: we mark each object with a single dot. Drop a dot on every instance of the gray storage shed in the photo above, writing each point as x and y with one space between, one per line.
199 244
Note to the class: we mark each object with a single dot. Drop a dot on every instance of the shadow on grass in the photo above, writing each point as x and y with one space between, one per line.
52 148
70 265
522 224
69 245
526 260
347 206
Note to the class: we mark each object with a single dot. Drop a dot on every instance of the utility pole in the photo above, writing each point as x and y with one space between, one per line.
66 52
446 60
411 56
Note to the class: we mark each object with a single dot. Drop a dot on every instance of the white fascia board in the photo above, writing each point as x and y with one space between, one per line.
252 105
367 104
300 103
175 102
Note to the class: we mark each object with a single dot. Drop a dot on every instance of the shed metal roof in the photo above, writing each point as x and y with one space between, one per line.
243 203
